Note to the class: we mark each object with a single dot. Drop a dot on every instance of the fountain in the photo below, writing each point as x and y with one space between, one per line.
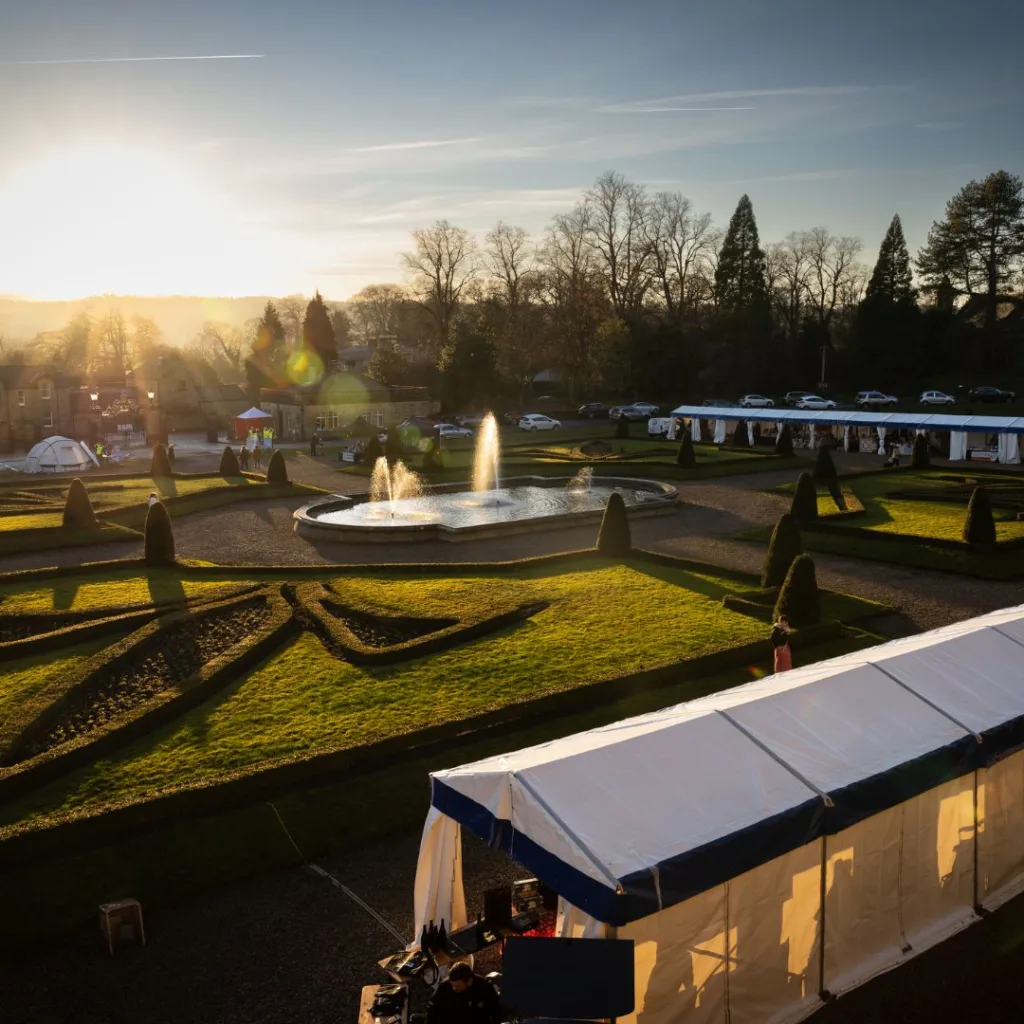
397 508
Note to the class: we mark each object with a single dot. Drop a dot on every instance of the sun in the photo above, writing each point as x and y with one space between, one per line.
112 219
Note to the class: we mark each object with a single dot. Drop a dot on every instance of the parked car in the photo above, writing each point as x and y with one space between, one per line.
935 398
868 398
450 430
810 401
792 397
635 412
471 420
538 421
756 402
990 394
717 403
593 411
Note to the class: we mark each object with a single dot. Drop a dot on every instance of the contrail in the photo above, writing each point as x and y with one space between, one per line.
133 60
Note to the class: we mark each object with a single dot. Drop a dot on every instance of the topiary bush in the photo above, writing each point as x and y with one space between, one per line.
805 498
784 442
979 526
920 458
78 512
159 536
374 449
229 462
277 471
160 465
799 599
783 548
824 467
170 455
739 435
755 432
622 427
852 441
614 539
686 457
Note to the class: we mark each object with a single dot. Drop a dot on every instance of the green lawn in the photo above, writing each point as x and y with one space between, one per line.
603 620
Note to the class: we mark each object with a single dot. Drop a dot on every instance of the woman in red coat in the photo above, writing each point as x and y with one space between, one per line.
780 641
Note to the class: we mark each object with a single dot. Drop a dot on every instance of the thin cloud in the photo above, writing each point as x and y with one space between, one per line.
419 144
135 60
939 126
795 177
668 110
685 101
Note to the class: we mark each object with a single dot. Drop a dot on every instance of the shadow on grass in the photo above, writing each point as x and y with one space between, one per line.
166 486
165 587
64 590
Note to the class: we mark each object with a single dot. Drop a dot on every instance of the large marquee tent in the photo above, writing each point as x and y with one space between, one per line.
775 843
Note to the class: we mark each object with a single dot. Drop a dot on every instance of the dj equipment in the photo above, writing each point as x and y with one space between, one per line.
498 907
568 979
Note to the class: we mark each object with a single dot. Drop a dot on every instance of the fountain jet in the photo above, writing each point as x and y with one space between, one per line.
391 484
487 456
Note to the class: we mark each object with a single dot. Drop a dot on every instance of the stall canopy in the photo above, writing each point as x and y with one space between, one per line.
59 455
840 417
626 820
250 419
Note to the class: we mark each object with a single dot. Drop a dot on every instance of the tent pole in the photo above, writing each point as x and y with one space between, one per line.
823 993
978 908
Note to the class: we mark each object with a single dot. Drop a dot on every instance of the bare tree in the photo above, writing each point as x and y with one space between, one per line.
377 310
789 270
292 311
833 261
620 236
682 251
113 343
443 263
222 347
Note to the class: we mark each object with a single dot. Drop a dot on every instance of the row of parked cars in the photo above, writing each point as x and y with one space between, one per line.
866 399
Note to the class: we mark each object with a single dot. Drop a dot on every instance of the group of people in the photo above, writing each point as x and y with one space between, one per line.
250 455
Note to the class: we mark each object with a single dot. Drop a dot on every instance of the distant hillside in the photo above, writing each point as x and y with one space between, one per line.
179 317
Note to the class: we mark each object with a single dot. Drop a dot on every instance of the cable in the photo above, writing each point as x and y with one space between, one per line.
338 885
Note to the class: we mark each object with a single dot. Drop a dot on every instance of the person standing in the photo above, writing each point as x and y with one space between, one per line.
464 998
783 660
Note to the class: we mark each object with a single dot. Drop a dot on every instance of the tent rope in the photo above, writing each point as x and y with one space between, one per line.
386 925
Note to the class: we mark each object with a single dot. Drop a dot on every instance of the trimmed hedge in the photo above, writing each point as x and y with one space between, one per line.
740 439
614 539
159 550
171 455
824 467
277 471
78 510
979 526
783 548
622 428
805 499
920 457
799 599
686 457
160 465
229 462
784 442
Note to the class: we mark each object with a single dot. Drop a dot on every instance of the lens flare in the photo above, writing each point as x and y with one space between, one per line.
304 368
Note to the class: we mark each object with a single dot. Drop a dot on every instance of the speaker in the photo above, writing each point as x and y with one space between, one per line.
568 978
498 907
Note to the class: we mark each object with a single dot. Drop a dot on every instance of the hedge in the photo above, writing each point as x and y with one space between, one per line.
805 499
979 526
784 546
78 510
159 550
784 442
614 539
799 600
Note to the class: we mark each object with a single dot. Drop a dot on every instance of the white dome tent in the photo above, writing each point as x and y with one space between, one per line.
59 455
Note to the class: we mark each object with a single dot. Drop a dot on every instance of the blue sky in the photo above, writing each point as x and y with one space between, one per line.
361 122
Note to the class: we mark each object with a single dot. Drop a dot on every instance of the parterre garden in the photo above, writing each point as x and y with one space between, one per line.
146 713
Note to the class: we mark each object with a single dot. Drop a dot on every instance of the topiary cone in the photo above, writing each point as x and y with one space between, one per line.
979 526
170 455
798 599
277 471
824 467
160 464
920 458
622 428
159 536
739 435
614 539
229 462
686 457
784 442
805 498
784 547
78 511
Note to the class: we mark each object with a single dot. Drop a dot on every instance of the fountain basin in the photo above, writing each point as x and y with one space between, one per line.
453 512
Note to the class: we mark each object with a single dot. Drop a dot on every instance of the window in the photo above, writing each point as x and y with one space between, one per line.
328 421
48 422
21 398
378 417
44 390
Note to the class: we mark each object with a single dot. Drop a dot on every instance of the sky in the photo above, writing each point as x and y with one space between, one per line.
314 137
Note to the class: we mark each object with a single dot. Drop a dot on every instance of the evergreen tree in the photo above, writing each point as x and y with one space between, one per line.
740 283
920 459
824 467
979 526
892 279
614 538
739 437
159 545
784 442
805 499
78 511
265 367
277 471
160 465
784 546
229 462
374 449
686 457
318 332
799 599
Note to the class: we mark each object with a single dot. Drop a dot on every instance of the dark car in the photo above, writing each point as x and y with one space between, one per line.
792 397
593 411
989 394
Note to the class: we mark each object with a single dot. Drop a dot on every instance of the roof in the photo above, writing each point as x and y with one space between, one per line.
219 392
890 420
254 414
25 375
345 387
644 813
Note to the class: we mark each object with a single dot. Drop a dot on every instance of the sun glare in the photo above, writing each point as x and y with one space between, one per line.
111 219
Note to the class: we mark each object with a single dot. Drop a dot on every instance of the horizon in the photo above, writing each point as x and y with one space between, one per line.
162 153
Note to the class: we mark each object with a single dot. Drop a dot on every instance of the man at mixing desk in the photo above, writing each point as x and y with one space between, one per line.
464 998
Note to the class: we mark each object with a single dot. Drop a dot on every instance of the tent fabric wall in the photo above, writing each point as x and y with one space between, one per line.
719 431
694 428
1001 831
1009 449
438 890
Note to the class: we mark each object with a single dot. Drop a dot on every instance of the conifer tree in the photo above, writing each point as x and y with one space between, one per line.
805 498
160 464
159 544
799 599
277 471
979 526
614 538
229 462
78 511
740 283
892 279
784 546
784 442
318 332
686 457
920 458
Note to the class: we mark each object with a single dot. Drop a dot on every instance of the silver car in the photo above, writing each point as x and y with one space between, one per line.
936 398
815 402
756 402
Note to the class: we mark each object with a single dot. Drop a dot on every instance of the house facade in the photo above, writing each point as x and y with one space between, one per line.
35 402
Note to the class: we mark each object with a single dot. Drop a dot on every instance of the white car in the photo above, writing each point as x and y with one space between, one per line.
451 430
871 398
756 402
936 398
538 421
815 402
